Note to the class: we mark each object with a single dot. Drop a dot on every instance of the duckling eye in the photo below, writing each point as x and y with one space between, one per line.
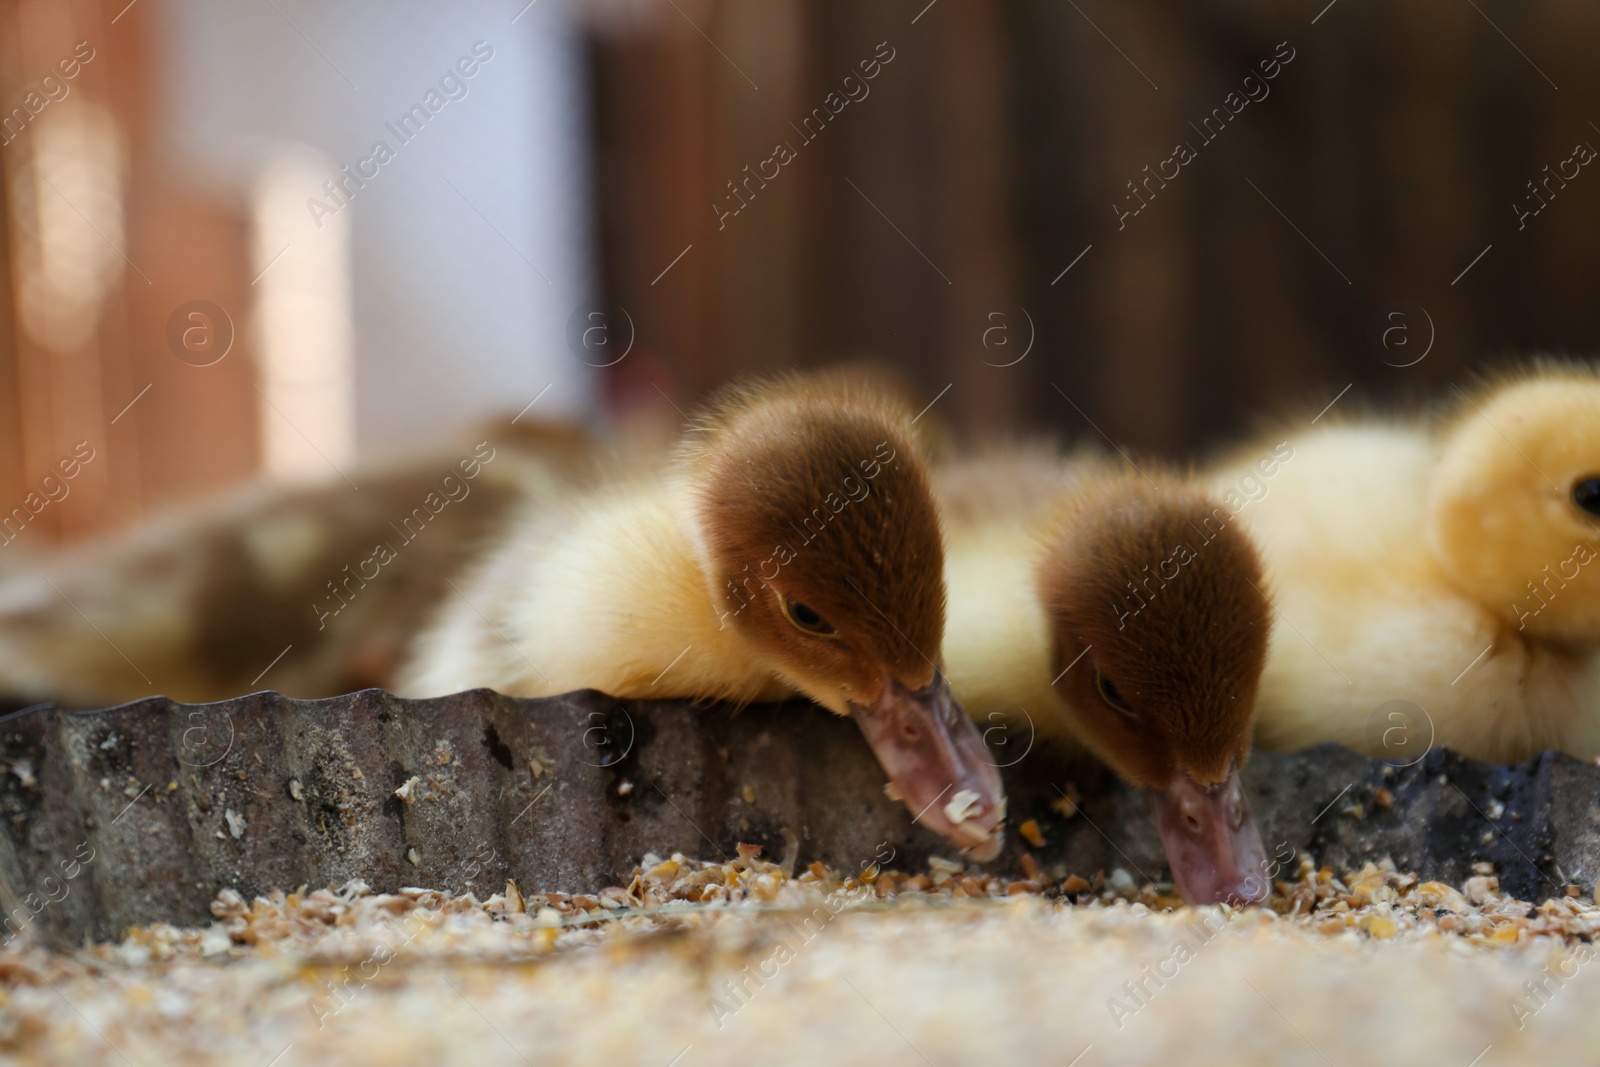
1108 693
1586 494
806 618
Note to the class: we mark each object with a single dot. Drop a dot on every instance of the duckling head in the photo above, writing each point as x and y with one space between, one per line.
1514 509
822 544
1160 640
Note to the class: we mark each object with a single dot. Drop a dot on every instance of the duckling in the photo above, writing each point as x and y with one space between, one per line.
1115 613
1446 563
321 582
792 545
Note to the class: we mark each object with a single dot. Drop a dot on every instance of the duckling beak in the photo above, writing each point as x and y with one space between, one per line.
1212 843
938 764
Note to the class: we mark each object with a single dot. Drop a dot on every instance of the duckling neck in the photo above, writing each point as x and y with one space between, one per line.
997 637
668 638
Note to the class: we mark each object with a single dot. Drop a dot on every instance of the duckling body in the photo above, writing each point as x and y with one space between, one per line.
1408 563
605 592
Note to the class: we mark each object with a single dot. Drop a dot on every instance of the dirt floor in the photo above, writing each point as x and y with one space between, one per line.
739 963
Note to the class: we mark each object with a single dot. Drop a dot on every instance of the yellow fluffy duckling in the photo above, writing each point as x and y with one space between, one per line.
1436 581
791 546
1116 614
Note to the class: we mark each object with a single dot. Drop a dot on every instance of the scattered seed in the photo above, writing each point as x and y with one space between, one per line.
961 806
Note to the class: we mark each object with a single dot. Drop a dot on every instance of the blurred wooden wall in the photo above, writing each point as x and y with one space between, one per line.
889 238
105 239
994 146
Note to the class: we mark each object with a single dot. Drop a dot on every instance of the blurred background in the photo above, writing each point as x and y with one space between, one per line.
277 236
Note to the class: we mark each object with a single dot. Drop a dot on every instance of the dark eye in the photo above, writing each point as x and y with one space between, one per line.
806 618
1108 693
1586 494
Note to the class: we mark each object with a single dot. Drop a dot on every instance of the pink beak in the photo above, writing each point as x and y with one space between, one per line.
937 761
1212 843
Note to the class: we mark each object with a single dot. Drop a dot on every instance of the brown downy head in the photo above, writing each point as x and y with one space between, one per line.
1160 628
823 546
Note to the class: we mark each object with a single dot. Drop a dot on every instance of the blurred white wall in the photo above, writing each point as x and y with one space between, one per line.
469 241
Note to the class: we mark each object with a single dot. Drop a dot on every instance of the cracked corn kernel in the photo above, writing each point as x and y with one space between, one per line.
1378 926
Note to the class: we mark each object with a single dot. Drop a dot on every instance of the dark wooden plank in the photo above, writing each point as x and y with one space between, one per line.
141 813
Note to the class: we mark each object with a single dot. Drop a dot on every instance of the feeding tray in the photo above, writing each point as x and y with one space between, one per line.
141 813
